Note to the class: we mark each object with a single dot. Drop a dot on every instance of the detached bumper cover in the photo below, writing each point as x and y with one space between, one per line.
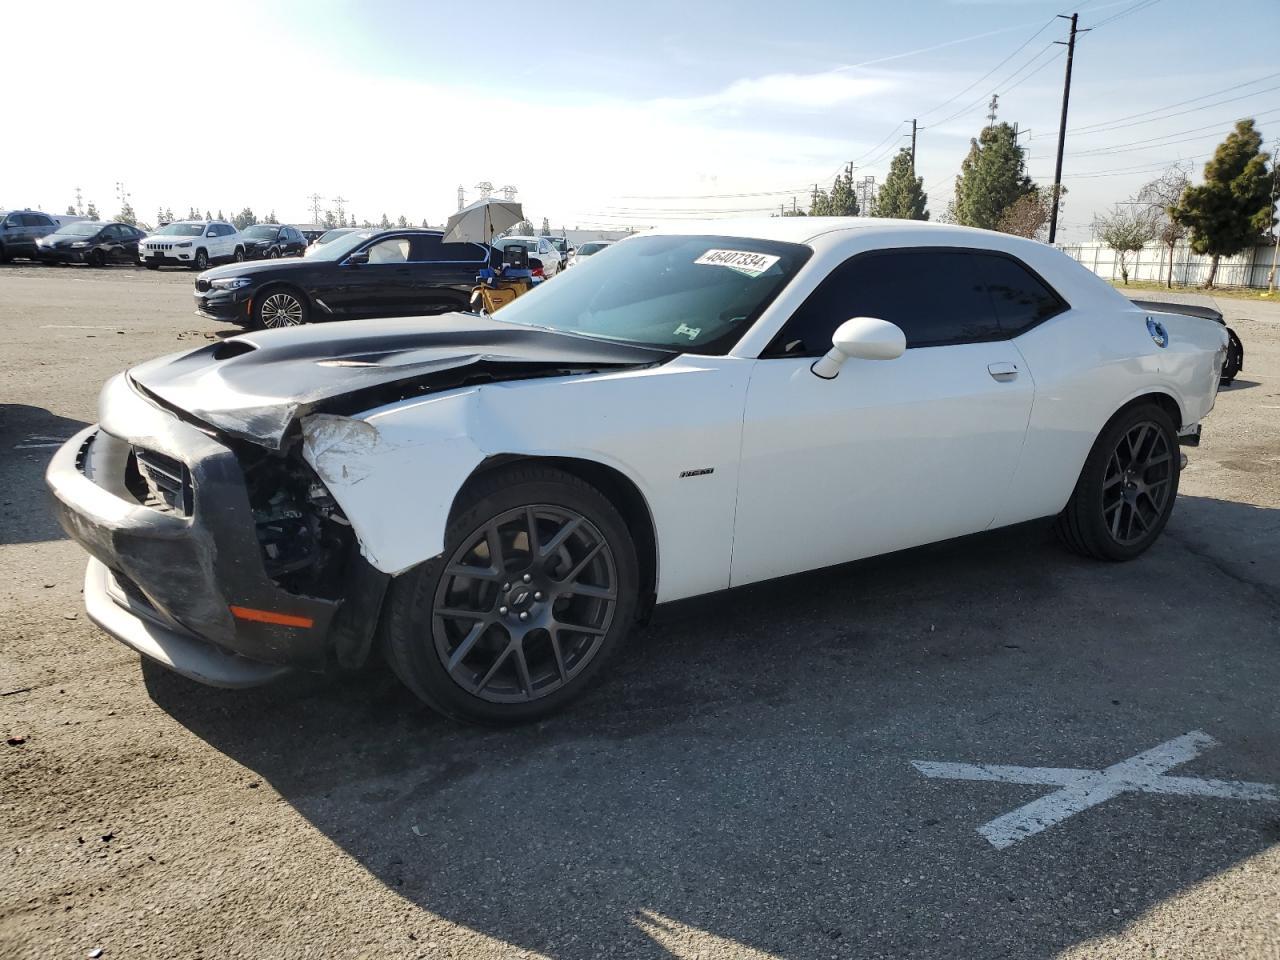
178 573
228 305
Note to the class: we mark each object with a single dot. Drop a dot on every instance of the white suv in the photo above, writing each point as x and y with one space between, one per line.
191 243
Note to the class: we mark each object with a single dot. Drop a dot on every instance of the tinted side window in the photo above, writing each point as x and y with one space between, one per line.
427 248
462 252
36 220
937 297
1021 298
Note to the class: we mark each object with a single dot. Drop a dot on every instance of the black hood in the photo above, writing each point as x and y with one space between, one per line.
258 385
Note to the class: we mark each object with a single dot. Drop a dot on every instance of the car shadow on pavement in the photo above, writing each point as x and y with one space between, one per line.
742 780
29 436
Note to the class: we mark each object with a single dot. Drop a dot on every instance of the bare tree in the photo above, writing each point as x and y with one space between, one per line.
1028 216
1126 229
1160 196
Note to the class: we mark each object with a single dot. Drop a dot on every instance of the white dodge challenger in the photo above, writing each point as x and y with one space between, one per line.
495 501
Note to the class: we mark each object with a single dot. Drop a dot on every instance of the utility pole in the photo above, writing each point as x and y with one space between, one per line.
462 197
79 202
1062 128
315 199
913 147
1275 182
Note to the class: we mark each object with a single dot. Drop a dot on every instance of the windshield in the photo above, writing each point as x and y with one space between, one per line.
339 247
332 235
263 231
692 294
82 229
587 249
181 230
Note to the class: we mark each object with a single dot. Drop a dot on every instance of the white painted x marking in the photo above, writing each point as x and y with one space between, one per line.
1081 789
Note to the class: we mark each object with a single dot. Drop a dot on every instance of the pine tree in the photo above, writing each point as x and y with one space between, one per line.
902 194
384 223
992 178
546 227
403 221
271 217
208 215
843 201
71 209
1233 207
91 211
168 215
820 204
126 214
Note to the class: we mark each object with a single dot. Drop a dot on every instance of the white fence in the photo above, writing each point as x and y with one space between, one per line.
1248 269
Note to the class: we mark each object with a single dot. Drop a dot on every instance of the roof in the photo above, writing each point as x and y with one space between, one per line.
806 229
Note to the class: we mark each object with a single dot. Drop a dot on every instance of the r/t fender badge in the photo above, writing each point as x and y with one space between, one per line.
1158 332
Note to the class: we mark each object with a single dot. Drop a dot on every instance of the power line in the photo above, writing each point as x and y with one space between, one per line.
956 96
1164 140
1140 5
1087 128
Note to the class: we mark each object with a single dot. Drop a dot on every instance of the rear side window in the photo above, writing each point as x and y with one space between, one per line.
937 297
426 248
36 220
462 253
1021 299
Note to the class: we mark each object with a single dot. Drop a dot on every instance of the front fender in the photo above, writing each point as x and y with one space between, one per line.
368 461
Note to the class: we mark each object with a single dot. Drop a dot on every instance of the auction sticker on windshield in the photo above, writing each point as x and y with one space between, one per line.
743 261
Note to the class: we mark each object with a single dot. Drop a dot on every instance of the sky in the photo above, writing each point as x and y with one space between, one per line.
610 114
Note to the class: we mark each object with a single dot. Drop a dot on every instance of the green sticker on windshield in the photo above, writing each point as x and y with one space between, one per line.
742 261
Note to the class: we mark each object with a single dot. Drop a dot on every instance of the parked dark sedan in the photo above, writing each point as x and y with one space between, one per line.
270 241
365 273
92 242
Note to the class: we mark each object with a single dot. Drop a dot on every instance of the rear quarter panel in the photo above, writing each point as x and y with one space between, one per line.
1089 362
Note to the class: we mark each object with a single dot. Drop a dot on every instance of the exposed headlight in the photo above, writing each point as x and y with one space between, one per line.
230 283
79 243
187 244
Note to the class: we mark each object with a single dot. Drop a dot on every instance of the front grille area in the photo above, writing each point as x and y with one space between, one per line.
158 245
159 482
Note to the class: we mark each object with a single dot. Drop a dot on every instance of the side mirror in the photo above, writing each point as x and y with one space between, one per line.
358 258
865 338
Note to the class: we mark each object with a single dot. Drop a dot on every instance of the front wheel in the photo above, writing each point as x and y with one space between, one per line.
97 259
239 255
202 260
1126 491
279 308
536 589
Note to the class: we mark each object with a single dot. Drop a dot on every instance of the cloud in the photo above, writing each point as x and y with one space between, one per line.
809 92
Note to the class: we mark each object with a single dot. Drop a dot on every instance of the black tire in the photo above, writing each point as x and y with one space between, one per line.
416 638
96 259
1234 363
151 266
279 307
239 255
4 254
202 260
273 254
1117 512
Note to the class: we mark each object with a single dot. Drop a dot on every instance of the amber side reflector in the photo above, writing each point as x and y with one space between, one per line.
266 616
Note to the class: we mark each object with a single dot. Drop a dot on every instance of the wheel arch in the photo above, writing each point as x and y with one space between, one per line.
1162 398
618 488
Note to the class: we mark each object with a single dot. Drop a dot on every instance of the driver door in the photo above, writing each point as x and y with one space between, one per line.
891 453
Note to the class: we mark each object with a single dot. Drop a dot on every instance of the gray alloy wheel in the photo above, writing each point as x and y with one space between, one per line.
1127 488
274 254
1137 483
202 260
239 255
281 309
525 603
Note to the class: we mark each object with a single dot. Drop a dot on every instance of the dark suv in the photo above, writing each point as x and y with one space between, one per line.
364 273
19 231
270 241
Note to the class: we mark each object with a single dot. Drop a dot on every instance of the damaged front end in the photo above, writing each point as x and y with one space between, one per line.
225 562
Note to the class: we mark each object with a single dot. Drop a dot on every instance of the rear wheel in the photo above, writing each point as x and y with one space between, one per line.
1126 491
536 589
280 308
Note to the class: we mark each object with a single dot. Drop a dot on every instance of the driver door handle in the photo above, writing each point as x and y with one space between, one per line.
1003 372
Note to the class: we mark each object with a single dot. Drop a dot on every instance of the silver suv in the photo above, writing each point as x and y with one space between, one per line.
19 231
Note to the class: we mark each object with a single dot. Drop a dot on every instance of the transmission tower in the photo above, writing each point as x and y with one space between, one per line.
462 197
315 199
79 202
486 189
509 192
340 200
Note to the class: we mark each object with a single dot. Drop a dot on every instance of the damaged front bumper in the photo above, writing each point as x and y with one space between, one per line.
177 572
